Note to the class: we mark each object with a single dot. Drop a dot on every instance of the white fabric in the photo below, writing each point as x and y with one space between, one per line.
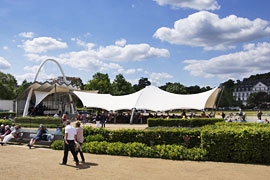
71 131
150 98
7 138
40 95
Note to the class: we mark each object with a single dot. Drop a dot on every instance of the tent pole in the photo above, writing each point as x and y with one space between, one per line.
132 115
26 106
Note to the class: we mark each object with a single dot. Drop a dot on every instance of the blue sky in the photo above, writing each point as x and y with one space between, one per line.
193 42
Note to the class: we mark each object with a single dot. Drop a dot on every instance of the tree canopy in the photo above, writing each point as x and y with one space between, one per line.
100 82
121 87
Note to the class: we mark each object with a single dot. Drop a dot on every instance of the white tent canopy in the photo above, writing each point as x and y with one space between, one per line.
150 98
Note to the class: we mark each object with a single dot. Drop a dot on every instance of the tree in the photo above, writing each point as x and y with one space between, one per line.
260 100
142 83
176 88
8 85
22 87
100 82
227 99
121 87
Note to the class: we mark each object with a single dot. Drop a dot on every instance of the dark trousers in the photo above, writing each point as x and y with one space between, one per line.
81 153
70 146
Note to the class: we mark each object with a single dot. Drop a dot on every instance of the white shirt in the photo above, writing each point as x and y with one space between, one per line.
71 131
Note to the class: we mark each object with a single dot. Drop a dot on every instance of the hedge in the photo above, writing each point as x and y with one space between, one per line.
246 144
7 114
39 120
194 122
179 136
235 124
5 122
135 149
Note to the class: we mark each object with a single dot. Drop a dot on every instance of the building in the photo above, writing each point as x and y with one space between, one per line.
247 87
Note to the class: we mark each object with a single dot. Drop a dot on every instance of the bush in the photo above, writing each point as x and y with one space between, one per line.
97 137
179 136
7 114
194 122
141 150
58 145
5 122
237 143
39 120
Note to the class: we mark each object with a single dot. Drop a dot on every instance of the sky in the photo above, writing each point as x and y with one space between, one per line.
193 42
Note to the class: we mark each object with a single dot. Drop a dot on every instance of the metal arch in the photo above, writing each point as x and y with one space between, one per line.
59 66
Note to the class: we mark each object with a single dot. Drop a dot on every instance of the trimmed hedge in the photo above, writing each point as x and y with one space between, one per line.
246 144
174 152
58 145
39 120
5 122
179 136
7 114
194 122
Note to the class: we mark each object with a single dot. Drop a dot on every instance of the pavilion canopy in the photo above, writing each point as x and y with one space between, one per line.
150 98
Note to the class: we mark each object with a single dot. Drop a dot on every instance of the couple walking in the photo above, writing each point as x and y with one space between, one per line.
72 137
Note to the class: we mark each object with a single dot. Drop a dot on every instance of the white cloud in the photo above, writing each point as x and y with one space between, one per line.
130 52
139 69
207 30
27 34
155 78
4 64
5 47
121 42
42 44
192 4
128 71
98 59
30 73
253 59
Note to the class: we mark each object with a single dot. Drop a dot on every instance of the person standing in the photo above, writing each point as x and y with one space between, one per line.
70 137
79 130
103 120
259 115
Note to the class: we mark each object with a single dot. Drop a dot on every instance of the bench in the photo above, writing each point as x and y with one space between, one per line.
27 135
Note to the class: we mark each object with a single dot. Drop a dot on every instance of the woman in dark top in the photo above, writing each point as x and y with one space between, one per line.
41 135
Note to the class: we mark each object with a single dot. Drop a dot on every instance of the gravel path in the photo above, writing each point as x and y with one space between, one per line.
21 163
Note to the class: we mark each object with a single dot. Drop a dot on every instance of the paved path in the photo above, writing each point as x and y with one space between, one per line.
21 163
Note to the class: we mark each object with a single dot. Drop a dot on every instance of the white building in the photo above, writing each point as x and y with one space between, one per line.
247 87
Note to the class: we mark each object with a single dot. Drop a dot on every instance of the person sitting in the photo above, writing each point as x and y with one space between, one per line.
2 129
8 131
14 134
266 121
41 135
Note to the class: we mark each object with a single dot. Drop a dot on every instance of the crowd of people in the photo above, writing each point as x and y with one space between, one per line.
241 117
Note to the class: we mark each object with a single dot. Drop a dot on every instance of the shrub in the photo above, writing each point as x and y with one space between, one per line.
7 114
97 137
194 122
237 144
179 136
58 145
5 122
38 120
141 150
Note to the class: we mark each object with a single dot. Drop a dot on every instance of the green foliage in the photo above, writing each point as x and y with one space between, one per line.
141 150
97 137
5 122
39 120
8 85
179 136
100 82
234 143
194 122
58 145
7 114
142 83
259 99
22 87
176 88
227 99
121 87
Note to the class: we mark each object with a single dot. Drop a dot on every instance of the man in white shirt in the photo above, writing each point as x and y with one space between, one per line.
70 137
